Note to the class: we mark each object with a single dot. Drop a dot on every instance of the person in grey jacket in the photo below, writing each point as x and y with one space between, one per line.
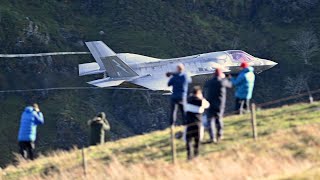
216 93
98 126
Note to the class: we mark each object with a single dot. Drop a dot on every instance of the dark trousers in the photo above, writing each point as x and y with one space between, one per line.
193 133
176 105
242 105
215 126
27 149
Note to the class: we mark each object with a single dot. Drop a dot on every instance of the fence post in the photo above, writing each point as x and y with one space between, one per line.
84 162
1 174
253 121
173 145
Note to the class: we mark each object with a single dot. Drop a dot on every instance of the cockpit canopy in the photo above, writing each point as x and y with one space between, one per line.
241 56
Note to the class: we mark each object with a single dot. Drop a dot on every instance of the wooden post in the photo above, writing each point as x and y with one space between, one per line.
84 162
310 94
173 145
253 121
1 174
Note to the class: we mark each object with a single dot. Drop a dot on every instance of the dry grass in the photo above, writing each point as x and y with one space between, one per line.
289 142
258 160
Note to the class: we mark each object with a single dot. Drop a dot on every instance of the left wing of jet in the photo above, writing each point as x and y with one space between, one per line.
153 83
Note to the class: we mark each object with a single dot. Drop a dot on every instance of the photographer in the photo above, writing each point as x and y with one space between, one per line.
30 119
179 81
98 126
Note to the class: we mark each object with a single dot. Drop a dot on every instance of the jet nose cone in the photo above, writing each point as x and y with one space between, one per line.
264 64
269 63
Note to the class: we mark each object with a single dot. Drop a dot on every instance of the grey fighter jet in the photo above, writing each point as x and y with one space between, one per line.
150 72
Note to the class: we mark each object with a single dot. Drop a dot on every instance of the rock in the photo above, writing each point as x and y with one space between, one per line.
101 33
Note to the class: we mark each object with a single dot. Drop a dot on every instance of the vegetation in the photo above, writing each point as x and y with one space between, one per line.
284 134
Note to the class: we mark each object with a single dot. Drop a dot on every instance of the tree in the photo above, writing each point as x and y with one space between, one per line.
298 85
305 45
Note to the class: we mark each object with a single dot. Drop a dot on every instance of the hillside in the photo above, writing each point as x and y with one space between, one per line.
159 28
288 143
311 173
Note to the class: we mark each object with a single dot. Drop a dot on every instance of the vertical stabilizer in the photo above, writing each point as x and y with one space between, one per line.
99 50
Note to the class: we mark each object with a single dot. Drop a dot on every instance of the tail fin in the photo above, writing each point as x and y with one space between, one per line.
99 50
109 61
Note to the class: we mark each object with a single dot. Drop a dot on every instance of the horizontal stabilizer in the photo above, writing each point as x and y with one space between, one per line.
106 82
89 68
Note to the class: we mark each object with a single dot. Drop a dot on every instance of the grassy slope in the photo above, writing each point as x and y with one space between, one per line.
312 173
155 146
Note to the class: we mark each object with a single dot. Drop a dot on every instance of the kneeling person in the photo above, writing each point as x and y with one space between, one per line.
195 107
98 126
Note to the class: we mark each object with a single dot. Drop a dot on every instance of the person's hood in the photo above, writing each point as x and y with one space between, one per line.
102 115
248 69
29 109
97 119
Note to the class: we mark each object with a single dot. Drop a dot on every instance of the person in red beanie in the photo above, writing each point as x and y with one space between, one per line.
244 65
216 93
244 84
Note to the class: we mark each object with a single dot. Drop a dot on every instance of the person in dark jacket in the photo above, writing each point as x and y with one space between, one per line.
244 84
216 93
195 107
30 119
179 81
98 126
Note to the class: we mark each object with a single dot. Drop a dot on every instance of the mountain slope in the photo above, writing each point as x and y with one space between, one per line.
284 135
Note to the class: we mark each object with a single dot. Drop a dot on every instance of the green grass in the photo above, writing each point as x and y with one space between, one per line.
155 146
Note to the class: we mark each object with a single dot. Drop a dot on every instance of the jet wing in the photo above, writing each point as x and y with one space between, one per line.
152 83
106 82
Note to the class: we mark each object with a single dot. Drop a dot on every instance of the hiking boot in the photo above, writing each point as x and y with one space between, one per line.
214 140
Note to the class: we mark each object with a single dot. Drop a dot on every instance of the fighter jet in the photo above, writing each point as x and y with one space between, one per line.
150 72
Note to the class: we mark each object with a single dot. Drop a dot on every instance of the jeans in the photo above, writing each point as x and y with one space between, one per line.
27 149
242 105
175 106
215 127
193 133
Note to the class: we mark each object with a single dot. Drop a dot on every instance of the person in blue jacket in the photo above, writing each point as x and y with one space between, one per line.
244 84
30 119
179 81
